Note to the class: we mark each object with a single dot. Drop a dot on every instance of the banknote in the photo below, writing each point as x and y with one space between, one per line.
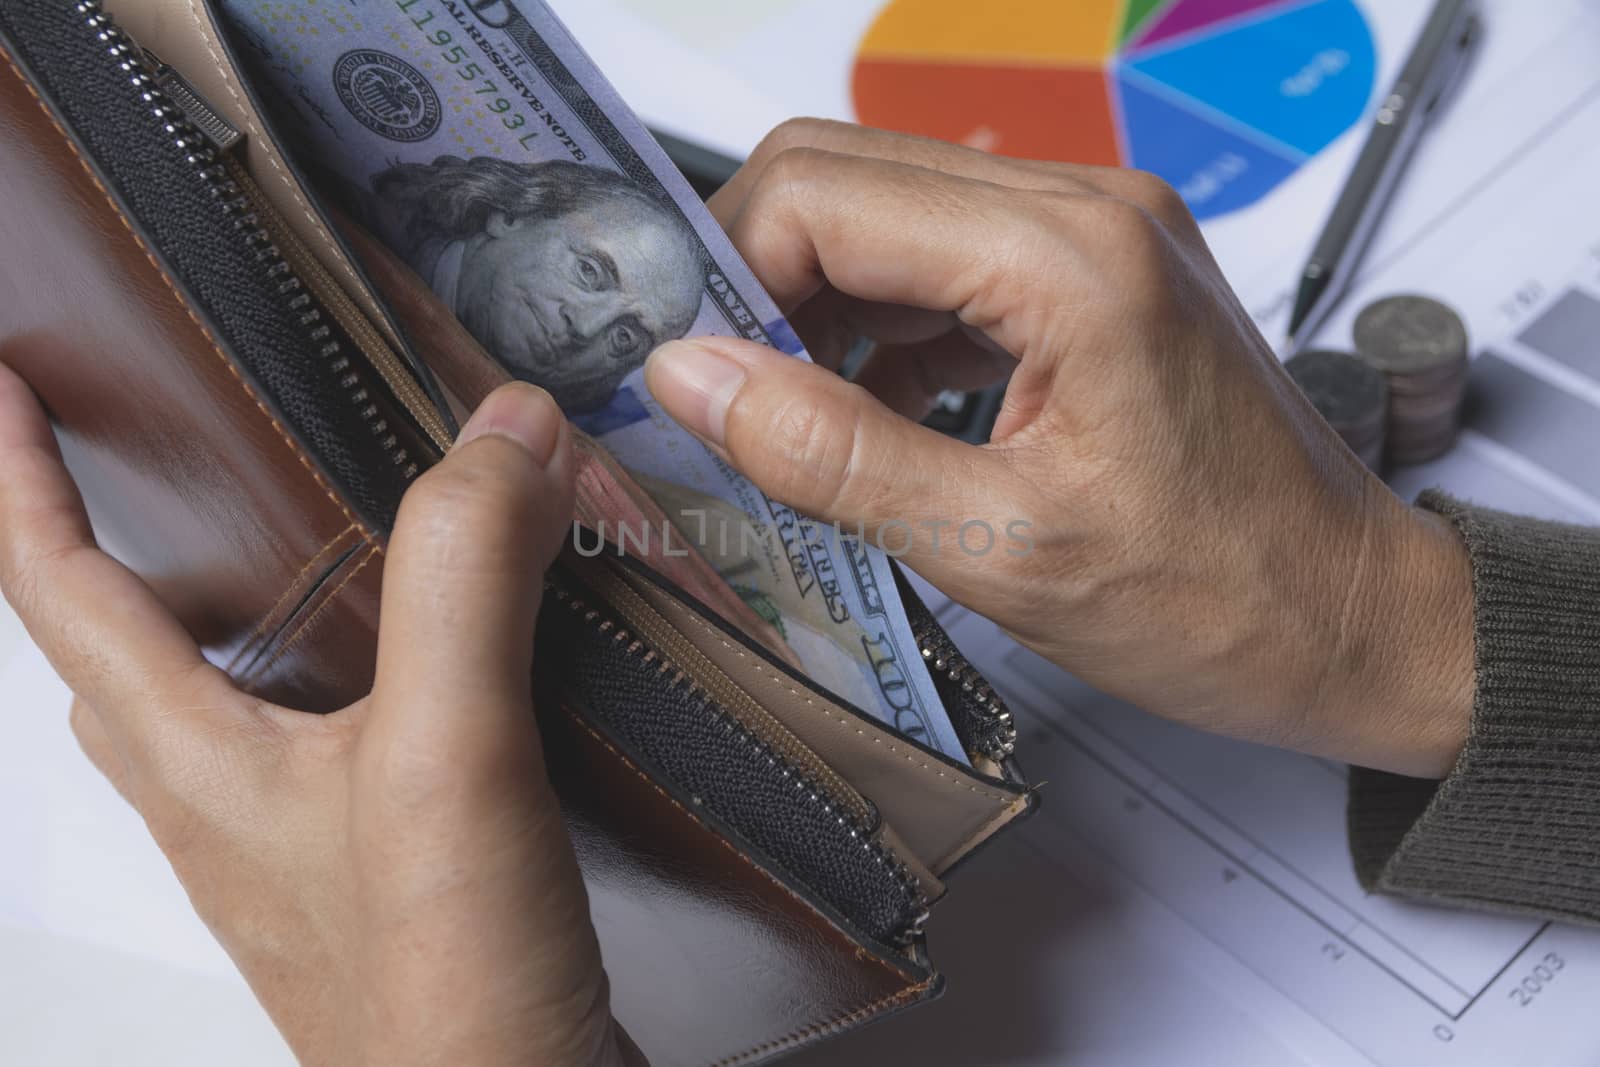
479 142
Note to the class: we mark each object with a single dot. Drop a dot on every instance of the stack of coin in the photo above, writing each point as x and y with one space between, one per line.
1350 395
1420 346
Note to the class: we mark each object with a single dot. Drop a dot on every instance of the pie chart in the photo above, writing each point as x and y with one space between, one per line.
1225 99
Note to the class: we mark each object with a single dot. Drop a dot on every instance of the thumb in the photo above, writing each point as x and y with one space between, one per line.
464 577
831 450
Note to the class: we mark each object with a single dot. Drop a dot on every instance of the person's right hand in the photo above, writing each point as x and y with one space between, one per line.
1202 545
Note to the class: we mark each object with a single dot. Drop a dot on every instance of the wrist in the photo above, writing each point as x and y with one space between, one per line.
1405 703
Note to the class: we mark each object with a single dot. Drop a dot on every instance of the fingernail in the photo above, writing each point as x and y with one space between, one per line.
695 384
523 413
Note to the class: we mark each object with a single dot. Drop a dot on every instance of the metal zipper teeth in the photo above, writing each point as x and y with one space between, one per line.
998 732
342 309
675 678
621 595
235 205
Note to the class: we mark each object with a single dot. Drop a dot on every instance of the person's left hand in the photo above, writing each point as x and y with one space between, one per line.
394 880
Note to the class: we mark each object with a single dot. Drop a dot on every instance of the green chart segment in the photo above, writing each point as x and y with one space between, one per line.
1225 99
1139 11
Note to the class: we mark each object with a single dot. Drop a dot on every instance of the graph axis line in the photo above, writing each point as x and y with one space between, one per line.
1055 861
1267 882
1213 116
1218 27
1234 860
1274 856
1501 973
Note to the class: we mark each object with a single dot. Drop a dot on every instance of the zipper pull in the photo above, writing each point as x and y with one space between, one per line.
995 729
223 135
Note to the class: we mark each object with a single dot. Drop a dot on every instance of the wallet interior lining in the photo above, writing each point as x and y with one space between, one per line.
940 810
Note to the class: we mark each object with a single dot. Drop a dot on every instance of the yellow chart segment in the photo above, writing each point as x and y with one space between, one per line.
1023 32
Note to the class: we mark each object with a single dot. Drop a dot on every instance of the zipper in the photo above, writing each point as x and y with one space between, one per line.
337 303
671 677
308 293
224 138
991 731
618 591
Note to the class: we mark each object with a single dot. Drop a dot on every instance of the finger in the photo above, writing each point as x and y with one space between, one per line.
908 379
464 576
101 627
825 447
96 744
845 138
832 323
826 325
1137 187
893 234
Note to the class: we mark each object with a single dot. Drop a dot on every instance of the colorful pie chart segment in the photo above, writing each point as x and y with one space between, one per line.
1225 99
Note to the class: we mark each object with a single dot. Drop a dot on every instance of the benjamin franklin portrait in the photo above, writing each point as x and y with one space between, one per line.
569 275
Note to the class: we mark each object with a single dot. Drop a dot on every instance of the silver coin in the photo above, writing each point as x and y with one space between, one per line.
1411 335
1350 395
1344 390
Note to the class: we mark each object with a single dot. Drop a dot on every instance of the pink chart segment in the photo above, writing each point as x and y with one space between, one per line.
1186 16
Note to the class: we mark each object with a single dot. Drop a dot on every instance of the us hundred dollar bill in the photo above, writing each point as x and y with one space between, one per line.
485 149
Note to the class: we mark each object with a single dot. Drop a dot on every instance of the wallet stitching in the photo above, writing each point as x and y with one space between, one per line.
725 843
907 995
909 757
293 587
305 627
269 149
183 303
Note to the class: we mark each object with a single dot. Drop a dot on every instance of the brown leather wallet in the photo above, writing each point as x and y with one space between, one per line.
243 387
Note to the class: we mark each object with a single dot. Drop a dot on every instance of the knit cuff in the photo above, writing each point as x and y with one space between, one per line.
1516 825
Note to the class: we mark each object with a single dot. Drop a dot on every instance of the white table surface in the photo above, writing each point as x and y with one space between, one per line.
101 958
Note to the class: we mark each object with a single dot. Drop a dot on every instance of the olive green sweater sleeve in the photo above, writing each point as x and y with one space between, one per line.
1516 826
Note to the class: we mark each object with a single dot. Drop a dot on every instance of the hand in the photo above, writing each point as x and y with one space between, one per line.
1171 519
393 880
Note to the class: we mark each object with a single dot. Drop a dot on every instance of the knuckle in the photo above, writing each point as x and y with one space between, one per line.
791 167
1156 196
489 480
83 728
792 134
1141 248
1123 219
86 728
25 574
471 517
814 441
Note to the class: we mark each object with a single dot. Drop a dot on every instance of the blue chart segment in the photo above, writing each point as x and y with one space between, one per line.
1228 112
1216 169
1225 99
1301 77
